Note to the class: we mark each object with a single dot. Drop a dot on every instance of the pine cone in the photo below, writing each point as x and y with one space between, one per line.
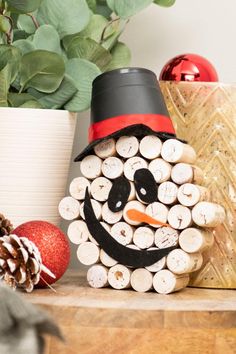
5 226
20 262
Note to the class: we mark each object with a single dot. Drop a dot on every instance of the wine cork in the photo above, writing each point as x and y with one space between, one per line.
100 188
78 187
158 211
91 167
78 232
180 262
105 226
143 237
133 164
158 265
69 208
165 282
208 214
194 240
150 147
179 217
141 280
133 204
106 259
97 276
166 237
132 194
184 173
127 146
174 151
106 148
88 253
167 192
190 194
96 208
119 277
109 216
160 169
112 167
122 233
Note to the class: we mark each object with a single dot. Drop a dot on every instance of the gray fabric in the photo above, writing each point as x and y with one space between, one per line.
22 325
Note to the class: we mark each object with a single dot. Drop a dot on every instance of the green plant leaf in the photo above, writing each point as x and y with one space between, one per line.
128 8
19 34
94 31
36 94
164 3
25 22
121 57
92 5
23 6
16 83
68 17
2 38
13 16
68 39
4 24
41 70
96 27
11 56
31 104
103 9
5 78
47 38
86 48
82 72
110 42
61 96
17 99
24 45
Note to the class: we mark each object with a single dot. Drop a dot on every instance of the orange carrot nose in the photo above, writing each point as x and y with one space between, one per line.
139 216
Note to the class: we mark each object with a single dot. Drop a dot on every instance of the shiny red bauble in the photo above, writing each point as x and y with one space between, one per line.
189 67
52 244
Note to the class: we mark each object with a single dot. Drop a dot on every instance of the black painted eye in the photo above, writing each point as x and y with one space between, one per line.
119 194
145 185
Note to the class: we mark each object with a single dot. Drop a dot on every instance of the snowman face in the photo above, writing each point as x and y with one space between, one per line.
133 210
130 197
118 205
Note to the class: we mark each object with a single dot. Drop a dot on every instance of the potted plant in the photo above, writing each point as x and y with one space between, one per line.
50 52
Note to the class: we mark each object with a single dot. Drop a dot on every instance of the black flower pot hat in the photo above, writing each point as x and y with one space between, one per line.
127 101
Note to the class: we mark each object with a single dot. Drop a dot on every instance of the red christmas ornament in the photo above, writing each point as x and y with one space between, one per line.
189 67
52 244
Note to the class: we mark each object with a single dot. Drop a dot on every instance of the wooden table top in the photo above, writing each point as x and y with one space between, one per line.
73 291
98 321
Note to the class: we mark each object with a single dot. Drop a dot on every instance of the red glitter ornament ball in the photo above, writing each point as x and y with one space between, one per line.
189 67
52 244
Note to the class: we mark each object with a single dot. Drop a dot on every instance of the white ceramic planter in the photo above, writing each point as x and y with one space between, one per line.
35 153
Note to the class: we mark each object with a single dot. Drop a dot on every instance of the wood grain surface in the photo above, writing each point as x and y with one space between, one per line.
94 321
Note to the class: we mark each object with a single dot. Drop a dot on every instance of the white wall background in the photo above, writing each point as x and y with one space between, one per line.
204 27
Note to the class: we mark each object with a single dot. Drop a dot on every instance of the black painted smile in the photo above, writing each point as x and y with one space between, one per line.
122 254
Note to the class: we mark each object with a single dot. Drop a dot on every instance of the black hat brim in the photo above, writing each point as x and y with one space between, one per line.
138 130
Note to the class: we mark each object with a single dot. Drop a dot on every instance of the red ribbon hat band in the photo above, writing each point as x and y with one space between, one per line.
157 122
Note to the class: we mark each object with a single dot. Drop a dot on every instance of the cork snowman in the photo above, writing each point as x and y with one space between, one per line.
139 213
